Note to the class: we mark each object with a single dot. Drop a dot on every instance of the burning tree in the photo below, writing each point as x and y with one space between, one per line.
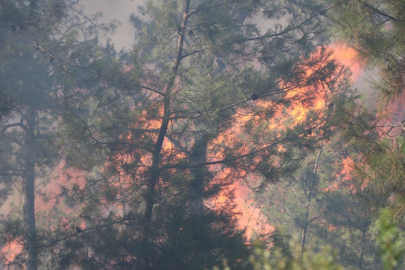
165 131
320 204
375 140
374 29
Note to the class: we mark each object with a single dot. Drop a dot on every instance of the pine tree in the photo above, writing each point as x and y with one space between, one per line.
156 129
26 134
375 30
320 203
31 36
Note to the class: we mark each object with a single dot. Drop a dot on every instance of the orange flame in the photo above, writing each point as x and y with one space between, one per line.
10 251
348 57
251 218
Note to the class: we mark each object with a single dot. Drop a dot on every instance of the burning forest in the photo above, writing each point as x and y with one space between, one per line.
230 134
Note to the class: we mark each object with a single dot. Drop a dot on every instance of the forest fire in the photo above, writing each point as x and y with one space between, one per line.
226 132
348 57
250 217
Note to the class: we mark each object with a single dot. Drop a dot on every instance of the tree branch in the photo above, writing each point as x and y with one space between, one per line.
287 30
379 11
15 125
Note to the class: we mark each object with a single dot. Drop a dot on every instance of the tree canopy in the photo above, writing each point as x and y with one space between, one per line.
134 158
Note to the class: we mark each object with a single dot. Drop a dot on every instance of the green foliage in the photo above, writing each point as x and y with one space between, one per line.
324 258
160 133
391 243
314 257
267 259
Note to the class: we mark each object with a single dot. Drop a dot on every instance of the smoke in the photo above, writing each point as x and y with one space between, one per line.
116 10
123 38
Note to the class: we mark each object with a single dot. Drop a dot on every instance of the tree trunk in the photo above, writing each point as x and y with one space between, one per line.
155 170
309 197
360 263
304 232
29 191
198 156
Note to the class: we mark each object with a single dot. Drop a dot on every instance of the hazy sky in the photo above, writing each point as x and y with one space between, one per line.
119 10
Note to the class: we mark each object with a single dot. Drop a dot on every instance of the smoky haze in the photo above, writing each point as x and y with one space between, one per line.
215 138
119 10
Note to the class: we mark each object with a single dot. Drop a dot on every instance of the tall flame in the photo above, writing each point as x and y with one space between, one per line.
250 218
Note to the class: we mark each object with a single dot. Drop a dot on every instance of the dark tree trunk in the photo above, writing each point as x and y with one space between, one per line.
309 197
360 263
304 233
155 170
198 156
29 191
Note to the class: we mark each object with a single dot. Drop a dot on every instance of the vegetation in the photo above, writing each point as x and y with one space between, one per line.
133 159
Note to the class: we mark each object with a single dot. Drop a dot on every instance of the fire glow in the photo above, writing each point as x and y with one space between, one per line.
250 217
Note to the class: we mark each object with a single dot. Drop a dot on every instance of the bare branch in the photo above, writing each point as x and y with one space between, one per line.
15 125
